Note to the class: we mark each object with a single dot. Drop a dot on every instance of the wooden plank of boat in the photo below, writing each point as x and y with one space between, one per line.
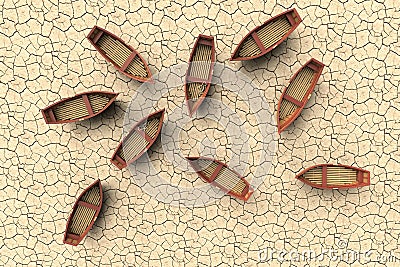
79 107
123 56
329 176
84 214
220 175
199 74
296 95
140 138
266 37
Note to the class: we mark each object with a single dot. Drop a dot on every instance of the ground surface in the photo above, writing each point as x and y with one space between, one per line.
352 118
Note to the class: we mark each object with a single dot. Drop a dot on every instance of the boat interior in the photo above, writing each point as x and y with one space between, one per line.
135 143
335 176
268 35
122 56
83 216
200 69
225 177
296 91
70 110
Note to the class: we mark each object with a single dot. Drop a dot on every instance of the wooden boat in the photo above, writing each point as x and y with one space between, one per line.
84 213
220 175
141 137
329 176
266 37
126 59
199 74
77 108
296 95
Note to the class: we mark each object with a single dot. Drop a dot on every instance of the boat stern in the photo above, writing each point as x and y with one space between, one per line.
48 116
95 34
205 39
316 65
294 17
248 194
111 95
118 162
71 239
363 178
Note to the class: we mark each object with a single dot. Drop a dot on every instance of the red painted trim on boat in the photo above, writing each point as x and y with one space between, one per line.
258 42
307 95
49 113
215 173
293 100
293 11
196 80
296 16
80 238
87 104
206 41
117 161
324 176
73 236
200 39
128 61
138 78
247 192
52 116
112 96
360 177
144 135
97 37
358 184
87 205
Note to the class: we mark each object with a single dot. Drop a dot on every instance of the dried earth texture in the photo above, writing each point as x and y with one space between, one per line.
351 118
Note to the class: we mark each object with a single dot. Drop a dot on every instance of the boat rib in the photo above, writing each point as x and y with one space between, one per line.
230 180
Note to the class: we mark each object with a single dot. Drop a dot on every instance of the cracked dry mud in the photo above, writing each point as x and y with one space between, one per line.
351 118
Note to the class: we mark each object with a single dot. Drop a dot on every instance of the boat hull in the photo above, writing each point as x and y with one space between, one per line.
199 74
329 176
84 214
298 92
140 138
123 56
220 175
262 39
79 107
